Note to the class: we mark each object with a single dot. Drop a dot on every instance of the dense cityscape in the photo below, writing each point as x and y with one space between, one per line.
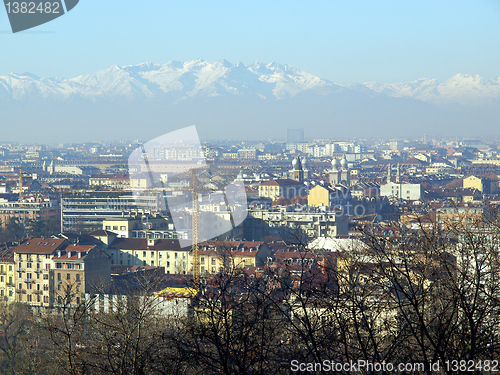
364 251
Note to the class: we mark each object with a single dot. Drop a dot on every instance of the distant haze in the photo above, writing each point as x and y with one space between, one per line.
254 102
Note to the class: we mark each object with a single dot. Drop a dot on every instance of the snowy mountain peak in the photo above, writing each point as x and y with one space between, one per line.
199 78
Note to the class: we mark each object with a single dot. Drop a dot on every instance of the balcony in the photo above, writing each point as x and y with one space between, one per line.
38 292
38 270
28 281
20 270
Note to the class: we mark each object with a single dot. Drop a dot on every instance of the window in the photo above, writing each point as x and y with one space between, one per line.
213 261
59 287
68 276
10 268
175 255
115 227
28 265
123 227
28 297
202 260
59 276
144 254
77 277
20 286
168 264
152 254
46 276
108 227
152 262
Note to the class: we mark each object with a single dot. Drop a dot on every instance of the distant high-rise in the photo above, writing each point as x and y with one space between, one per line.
295 135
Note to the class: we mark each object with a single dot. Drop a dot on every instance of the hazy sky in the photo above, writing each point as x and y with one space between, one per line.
343 41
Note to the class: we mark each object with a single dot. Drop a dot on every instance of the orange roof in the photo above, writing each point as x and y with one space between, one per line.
40 246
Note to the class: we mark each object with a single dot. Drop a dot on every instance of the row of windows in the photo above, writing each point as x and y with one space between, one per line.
29 286
3 268
68 276
69 266
115 227
152 254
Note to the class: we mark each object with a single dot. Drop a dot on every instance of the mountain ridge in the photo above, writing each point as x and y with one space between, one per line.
272 81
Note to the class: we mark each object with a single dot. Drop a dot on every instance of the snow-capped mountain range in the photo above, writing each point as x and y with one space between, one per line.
179 81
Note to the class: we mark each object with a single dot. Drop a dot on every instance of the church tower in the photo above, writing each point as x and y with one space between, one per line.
345 173
334 176
297 172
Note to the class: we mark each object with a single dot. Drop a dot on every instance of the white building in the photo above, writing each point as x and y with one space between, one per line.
412 192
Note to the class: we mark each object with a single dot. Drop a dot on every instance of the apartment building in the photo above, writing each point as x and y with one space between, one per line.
224 256
88 210
7 286
28 208
52 272
150 252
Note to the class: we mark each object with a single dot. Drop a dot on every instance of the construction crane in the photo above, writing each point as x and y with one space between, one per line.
195 225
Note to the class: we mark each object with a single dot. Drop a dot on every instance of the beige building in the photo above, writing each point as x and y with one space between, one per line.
150 252
282 188
221 256
473 182
7 286
52 272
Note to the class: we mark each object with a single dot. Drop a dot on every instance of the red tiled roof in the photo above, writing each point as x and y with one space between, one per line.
40 246
74 249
